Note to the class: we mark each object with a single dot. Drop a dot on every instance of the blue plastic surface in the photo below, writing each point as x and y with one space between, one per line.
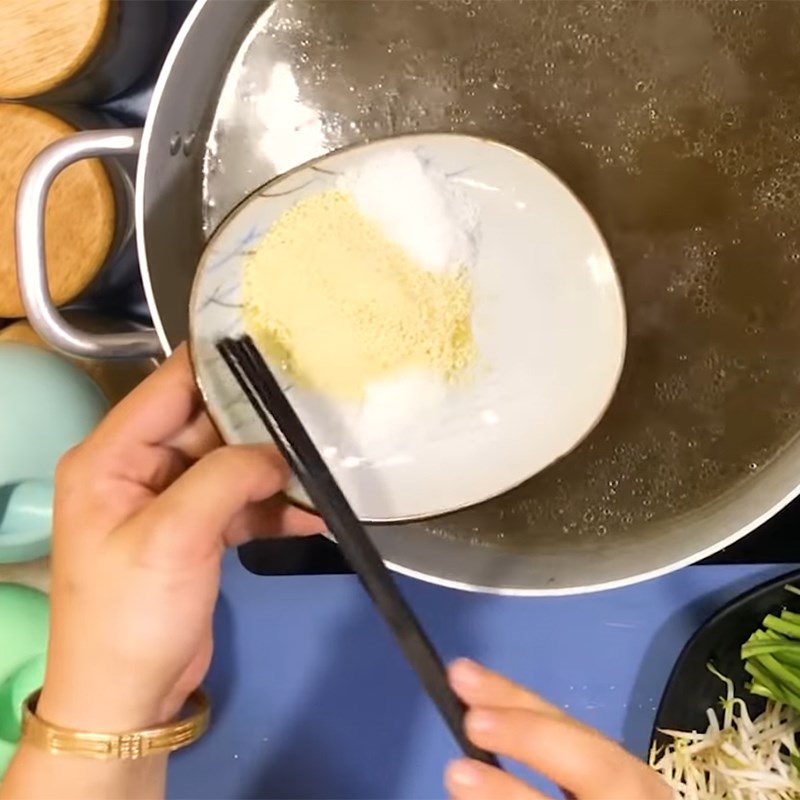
313 700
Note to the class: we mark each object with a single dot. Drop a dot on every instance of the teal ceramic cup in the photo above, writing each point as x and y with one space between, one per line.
24 618
47 405
19 685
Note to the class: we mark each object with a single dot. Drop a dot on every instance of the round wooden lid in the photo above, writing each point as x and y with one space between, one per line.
43 43
80 216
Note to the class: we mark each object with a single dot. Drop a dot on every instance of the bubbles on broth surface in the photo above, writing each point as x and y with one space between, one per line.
676 123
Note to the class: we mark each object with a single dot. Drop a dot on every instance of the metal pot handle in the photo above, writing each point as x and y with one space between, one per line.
31 272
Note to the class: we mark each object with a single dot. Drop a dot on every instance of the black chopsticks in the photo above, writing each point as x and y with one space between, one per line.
269 402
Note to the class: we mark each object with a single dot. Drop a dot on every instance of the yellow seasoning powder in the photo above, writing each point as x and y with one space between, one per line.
340 305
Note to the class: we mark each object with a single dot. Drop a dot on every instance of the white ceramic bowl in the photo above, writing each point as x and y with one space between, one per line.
549 322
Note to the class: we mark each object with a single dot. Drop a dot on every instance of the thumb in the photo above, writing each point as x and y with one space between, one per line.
189 519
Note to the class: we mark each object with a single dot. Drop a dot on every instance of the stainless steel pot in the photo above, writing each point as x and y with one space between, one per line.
675 122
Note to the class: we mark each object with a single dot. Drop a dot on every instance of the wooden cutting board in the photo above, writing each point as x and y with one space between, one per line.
44 43
80 217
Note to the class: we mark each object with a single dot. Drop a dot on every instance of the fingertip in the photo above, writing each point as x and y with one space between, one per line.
279 462
307 528
180 361
461 774
466 674
466 779
272 471
181 351
297 521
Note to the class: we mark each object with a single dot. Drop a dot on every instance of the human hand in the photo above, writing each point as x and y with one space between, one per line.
144 509
507 719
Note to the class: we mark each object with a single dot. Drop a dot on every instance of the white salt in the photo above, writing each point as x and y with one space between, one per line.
417 207
391 405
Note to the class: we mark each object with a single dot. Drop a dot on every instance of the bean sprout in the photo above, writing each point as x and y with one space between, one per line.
737 758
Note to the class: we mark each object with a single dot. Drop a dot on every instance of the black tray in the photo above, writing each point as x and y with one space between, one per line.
692 688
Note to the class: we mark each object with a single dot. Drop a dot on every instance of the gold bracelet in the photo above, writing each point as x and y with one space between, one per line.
110 746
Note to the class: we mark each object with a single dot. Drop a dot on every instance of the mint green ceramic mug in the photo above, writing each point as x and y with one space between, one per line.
24 617
47 405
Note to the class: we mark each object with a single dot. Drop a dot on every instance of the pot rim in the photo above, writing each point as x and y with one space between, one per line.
147 135
784 498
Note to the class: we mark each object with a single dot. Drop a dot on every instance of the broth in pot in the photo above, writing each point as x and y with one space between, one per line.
676 123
